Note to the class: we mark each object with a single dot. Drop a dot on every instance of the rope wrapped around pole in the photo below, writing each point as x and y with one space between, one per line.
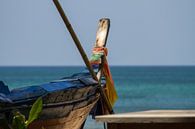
82 52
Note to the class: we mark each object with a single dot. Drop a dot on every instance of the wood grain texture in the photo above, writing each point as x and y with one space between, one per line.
155 116
102 32
74 120
151 125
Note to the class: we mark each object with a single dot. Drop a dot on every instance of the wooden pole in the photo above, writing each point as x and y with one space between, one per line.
75 38
82 52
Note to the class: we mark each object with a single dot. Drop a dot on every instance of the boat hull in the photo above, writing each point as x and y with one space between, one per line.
64 109
73 120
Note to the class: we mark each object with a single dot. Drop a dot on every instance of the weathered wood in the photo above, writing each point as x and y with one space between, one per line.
155 119
68 95
151 126
155 116
73 120
102 32
101 40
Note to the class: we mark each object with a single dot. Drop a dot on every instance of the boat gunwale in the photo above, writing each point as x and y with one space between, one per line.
51 105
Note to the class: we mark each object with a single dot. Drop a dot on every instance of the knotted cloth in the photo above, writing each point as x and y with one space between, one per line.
96 58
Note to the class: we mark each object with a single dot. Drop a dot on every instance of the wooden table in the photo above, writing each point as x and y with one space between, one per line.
153 119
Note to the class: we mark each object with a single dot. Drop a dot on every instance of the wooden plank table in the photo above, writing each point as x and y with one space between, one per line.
153 119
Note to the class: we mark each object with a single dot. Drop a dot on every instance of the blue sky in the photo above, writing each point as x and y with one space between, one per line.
143 32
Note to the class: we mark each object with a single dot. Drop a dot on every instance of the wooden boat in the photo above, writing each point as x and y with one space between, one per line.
66 102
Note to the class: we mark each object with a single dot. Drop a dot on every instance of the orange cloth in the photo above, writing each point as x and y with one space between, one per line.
110 89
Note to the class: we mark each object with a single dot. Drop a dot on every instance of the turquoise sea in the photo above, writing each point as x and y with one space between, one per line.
139 88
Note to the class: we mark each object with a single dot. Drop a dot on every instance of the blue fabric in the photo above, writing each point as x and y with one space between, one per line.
32 92
4 99
26 93
55 86
3 88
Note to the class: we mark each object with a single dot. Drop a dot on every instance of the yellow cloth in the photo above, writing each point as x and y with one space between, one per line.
110 89
96 59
